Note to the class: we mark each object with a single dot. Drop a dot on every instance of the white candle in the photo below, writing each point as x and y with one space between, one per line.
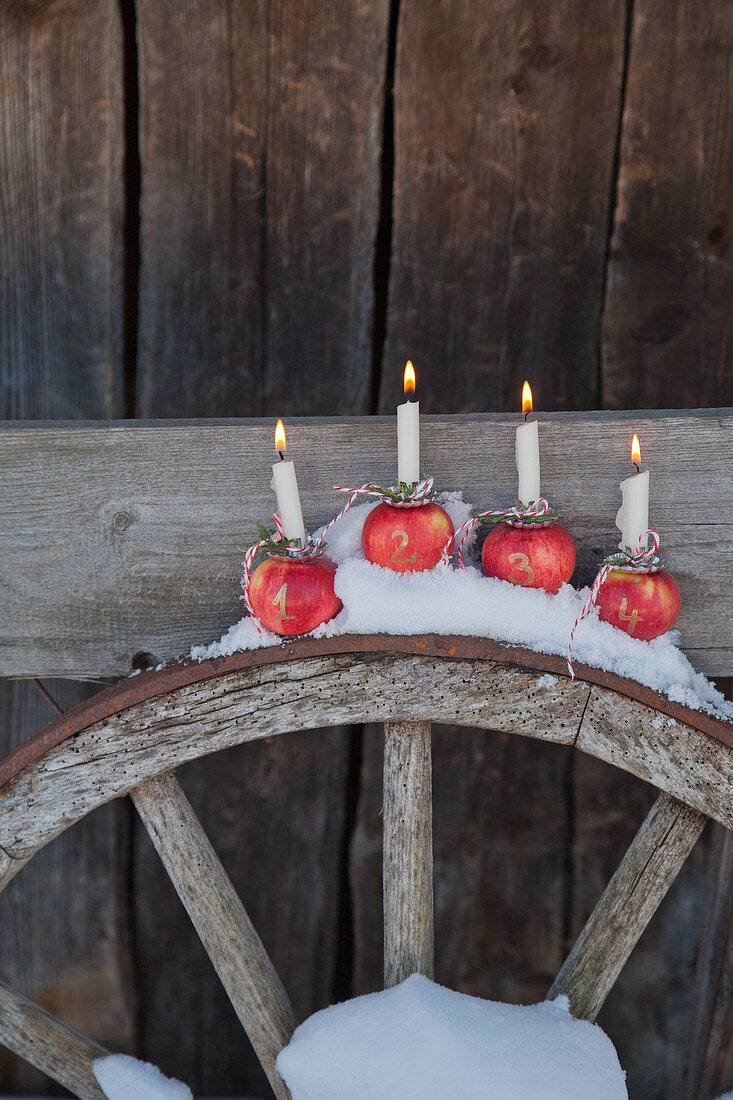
632 519
285 484
527 451
408 433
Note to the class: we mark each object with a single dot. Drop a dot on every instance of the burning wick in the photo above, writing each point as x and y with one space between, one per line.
526 400
280 439
636 453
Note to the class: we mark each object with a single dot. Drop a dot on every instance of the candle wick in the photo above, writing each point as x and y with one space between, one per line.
282 456
526 415
638 467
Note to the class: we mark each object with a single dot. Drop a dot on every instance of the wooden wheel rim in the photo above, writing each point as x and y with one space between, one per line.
129 737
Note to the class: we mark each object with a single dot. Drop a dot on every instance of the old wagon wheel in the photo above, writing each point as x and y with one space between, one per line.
130 738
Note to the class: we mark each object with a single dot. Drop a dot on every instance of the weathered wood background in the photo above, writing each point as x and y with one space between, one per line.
257 208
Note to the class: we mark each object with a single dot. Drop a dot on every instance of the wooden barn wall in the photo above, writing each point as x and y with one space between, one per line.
254 207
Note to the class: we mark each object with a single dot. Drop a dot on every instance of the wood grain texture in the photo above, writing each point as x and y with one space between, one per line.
505 125
115 755
260 146
407 878
500 836
630 900
63 936
274 813
607 807
663 752
708 1069
47 1043
260 156
221 921
149 557
666 329
61 277
61 212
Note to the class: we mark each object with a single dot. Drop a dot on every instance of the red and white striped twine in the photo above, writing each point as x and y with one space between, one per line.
307 550
625 562
416 495
535 509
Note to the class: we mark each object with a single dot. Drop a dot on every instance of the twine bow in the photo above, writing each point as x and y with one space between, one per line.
645 561
401 494
534 514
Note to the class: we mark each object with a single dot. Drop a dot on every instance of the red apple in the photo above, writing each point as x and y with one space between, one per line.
533 557
406 540
643 605
293 597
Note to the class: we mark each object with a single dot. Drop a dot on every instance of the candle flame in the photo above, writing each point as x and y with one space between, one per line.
280 436
409 378
635 451
526 399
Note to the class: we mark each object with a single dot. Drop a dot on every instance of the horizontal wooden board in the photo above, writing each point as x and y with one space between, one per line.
126 537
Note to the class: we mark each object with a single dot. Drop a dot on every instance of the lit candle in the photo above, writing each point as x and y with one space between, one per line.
527 451
633 515
408 432
285 484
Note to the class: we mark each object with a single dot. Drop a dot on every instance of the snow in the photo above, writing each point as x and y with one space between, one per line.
121 1077
448 600
420 1040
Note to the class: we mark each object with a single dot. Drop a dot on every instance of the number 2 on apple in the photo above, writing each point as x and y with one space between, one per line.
404 539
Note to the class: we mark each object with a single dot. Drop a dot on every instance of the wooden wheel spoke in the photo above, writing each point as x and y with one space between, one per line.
220 919
645 874
49 1045
408 851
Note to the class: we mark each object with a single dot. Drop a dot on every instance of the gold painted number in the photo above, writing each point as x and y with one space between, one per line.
404 539
521 562
631 617
279 601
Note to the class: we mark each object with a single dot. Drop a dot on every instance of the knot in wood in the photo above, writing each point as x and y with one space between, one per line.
121 521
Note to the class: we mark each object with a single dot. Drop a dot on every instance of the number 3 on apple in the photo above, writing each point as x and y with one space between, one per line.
404 539
280 601
521 563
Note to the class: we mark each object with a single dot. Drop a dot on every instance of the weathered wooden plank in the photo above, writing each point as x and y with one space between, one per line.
632 897
61 302
670 280
47 1043
274 813
669 948
500 828
115 755
607 807
263 151
61 152
505 126
664 752
221 921
110 584
62 936
708 1068
407 852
